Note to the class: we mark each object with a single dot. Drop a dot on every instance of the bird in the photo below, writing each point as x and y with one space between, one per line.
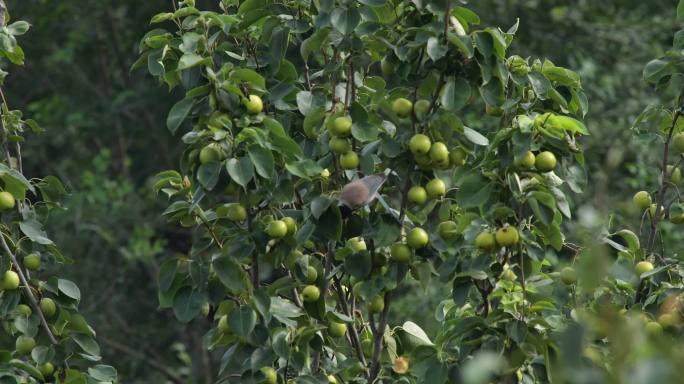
359 193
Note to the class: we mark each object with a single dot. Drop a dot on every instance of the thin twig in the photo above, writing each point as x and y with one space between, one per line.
379 335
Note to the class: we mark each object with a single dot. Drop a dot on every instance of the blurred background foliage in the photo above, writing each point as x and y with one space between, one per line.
106 136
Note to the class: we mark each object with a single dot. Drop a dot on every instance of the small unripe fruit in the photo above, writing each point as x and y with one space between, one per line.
507 236
311 274
435 188
223 326
494 111
311 293
332 379
46 369
32 262
349 160
342 126
291 225
236 212
402 107
24 310
485 241
276 229
417 238
254 104
376 305
209 153
24 345
568 276
526 161
643 267
439 153
417 195
387 67
325 173
421 108
270 375
545 162
448 230
423 161
337 329
48 307
357 244
10 281
401 365
339 145
678 142
458 157
675 174
653 328
509 275
7 201
667 320
642 200
653 208
401 253
420 144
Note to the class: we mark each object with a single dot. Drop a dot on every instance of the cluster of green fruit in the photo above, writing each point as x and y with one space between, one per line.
543 162
506 236
340 144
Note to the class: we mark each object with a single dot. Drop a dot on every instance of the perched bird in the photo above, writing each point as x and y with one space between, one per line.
362 192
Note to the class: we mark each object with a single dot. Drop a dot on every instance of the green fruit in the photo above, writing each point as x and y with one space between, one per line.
332 379
423 161
254 104
48 307
653 328
401 253
349 160
387 67
325 173
668 320
678 142
311 293
356 244
507 236
485 241
32 262
342 126
421 108
435 188
417 195
339 145
10 281
223 326
46 369
24 310
311 274
509 275
270 375
679 219
209 153
417 238
376 305
337 329
653 208
675 175
526 161
439 153
7 201
458 157
448 230
276 229
402 107
568 276
643 267
367 347
545 162
420 144
291 225
236 212
642 200
24 345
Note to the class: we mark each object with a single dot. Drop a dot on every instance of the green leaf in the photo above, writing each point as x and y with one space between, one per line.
455 94
314 42
373 3
208 174
305 169
18 28
680 11
20 364
190 60
475 137
42 354
179 112
87 343
250 5
345 20
34 230
242 321
230 273
540 84
416 331
104 373
657 69
240 170
435 49
249 76
263 161
187 304
68 288
473 191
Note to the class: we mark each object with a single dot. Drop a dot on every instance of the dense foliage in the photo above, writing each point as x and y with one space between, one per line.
51 340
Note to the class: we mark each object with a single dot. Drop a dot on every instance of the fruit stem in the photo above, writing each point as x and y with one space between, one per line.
27 289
